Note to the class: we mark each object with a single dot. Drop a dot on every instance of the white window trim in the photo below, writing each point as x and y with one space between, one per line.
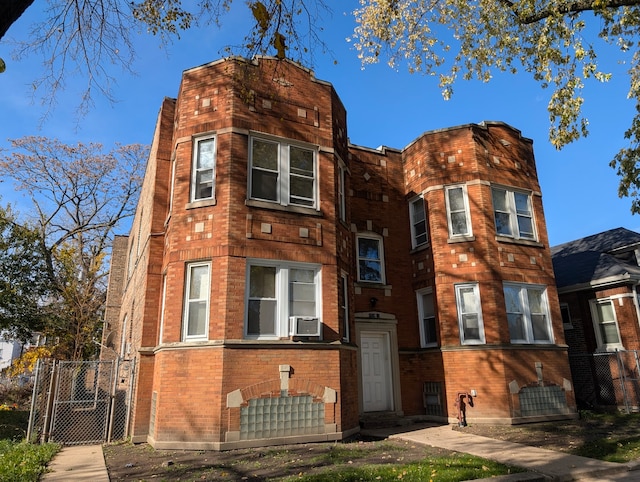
185 309
568 325
342 195
421 315
162 308
513 214
602 346
380 240
526 313
476 292
281 295
123 336
284 170
414 241
467 213
345 306
194 170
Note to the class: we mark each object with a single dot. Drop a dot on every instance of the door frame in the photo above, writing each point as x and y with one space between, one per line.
386 323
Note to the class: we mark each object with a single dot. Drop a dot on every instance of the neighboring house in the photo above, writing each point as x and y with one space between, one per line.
597 279
281 285
10 349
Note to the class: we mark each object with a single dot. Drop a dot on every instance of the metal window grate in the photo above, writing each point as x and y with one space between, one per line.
432 398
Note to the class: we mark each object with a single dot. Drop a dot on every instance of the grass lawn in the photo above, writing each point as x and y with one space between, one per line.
21 461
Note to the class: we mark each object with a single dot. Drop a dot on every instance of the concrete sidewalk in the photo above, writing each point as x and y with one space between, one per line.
551 465
86 462
77 463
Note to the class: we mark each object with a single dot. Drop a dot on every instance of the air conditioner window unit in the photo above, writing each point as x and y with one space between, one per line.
304 326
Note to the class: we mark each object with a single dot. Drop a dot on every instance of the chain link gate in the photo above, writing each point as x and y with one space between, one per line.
83 402
607 379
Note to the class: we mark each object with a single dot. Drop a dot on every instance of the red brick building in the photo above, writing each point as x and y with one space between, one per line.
597 279
283 285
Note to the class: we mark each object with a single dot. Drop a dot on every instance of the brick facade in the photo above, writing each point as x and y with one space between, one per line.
225 388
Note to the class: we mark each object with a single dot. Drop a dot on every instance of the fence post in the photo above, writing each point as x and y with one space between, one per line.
34 394
115 366
49 405
623 380
132 374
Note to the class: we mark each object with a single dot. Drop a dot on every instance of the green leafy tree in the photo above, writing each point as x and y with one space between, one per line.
558 42
24 291
80 195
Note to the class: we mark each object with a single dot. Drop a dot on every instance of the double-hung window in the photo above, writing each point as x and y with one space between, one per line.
370 259
203 172
513 214
282 173
528 313
427 317
605 325
278 292
458 215
419 234
195 322
469 314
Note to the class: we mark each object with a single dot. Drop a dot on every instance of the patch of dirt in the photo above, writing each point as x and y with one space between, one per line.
143 463
570 436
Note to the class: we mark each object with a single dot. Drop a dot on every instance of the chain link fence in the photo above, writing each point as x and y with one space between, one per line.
607 380
83 402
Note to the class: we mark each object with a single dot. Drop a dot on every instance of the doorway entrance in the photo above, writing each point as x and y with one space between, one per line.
377 387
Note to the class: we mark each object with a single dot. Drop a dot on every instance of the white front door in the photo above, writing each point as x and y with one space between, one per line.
376 372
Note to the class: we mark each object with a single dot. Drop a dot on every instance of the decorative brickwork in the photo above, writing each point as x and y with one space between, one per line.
289 215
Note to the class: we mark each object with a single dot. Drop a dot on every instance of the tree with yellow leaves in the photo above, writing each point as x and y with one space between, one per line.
80 195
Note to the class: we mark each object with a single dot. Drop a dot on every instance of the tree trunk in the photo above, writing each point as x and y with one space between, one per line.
10 11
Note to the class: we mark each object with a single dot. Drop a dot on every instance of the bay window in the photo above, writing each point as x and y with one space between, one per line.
527 313
277 292
195 322
512 213
203 171
458 215
282 173
419 234
427 317
469 314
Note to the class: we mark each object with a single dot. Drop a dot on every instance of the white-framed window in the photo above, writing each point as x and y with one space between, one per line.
123 336
370 253
566 316
282 172
458 214
419 231
469 314
513 213
203 173
528 313
342 199
278 291
195 320
163 304
344 305
427 317
605 325
131 259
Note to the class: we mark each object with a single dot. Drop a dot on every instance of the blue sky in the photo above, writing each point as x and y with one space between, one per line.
384 107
